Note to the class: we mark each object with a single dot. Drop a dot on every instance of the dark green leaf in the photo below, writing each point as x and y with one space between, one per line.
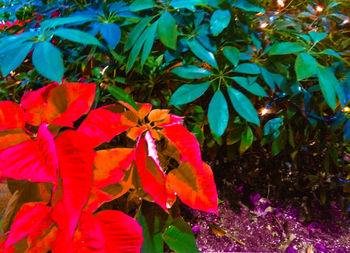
167 30
246 140
347 131
285 48
139 5
305 66
136 32
111 33
218 113
188 93
152 242
250 85
247 68
77 36
328 83
191 72
203 54
219 21
121 95
47 59
232 54
243 106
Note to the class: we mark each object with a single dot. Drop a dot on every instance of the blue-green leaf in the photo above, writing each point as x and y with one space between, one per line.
51 23
272 127
247 68
136 32
139 5
111 33
243 106
135 51
203 54
167 30
331 52
47 59
218 113
328 83
268 77
285 48
149 40
188 4
305 66
246 6
121 95
13 57
219 21
317 37
191 72
250 85
188 93
232 54
77 36
347 130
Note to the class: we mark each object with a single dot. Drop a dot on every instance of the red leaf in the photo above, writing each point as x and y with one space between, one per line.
11 116
102 125
109 165
96 199
121 232
195 187
9 138
75 155
169 121
152 176
42 237
26 220
33 160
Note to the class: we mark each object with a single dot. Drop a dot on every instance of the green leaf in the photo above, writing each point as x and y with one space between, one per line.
243 106
285 48
247 68
219 21
77 36
246 6
188 93
150 34
135 51
121 95
317 37
179 237
191 72
12 58
246 140
203 54
136 32
139 5
218 113
232 54
250 85
152 242
305 66
167 30
328 83
47 59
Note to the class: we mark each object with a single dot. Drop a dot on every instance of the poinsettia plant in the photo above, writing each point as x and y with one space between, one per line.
42 142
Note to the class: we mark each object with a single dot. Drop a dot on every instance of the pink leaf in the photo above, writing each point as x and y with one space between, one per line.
171 120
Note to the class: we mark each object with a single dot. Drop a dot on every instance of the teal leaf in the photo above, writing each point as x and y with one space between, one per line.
188 93
331 52
232 54
243 106
250 85
268 77
247 6
317 37
347 130
51 23
14 56
328 83
139 5
121 95
218 114
135 51
285 48
305 66
150 34
136 32
77 36
167 30
188 4
247 68
203 54
246 140
219 21
47 59
111 33
272 127
191 72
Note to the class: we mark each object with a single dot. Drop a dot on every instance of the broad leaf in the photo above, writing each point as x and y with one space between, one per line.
305 66
232 54
272 127
285 48
243 106
77 36
11 116
202 53
47 59
218 114
111 33
167 30
139 5
317 37
188 93
248 68
191 72
246 140
250 85
121 95
219 21
328 83
51 23
247 6
188 4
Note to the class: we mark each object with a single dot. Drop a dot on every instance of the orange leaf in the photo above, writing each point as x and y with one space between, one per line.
158 115
11 116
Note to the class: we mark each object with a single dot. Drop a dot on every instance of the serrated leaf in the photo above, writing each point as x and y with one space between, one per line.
243 106
246 140
218 114
167 30
247 68
203 54
77 36
111 33
305 66
232 54
47 59
285 48
191 72
219 21
188 93
139 5
121 95
328 83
